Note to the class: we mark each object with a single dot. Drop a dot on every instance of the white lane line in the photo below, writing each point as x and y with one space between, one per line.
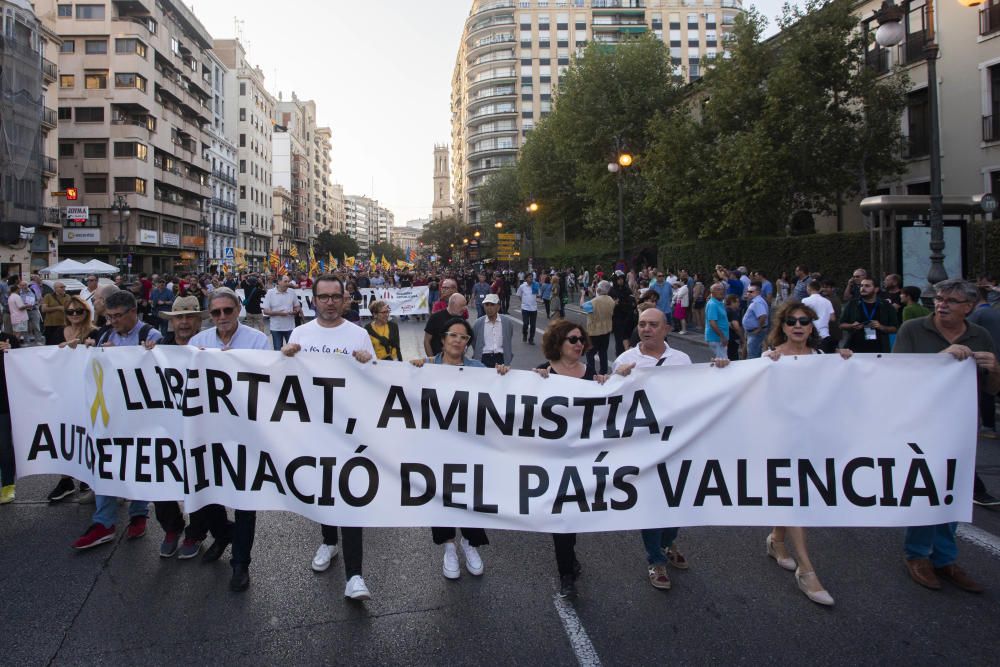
578 639
980 538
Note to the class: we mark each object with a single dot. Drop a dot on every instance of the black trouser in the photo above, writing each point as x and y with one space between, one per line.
54 335
6 451
599 348
169 515
504 303
529 318
209 518
988 410
547 306
565 544
492 359
622 334
243 533
353 547
828 345
475 536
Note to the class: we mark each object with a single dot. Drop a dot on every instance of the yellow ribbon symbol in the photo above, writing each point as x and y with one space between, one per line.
98 403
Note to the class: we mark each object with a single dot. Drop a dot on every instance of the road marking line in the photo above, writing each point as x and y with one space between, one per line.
980 538
578 639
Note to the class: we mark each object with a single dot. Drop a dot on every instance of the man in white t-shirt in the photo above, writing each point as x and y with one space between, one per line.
330 333
825 315
89 292
280 304
529 310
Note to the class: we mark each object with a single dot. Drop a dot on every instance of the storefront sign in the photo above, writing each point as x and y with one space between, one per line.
78 235
171 239
149 236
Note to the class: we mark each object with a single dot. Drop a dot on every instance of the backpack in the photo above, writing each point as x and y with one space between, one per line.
105 333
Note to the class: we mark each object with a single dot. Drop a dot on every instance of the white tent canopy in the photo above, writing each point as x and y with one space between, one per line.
65 267
98 267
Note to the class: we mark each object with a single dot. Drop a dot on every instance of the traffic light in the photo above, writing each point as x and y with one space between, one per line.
72 194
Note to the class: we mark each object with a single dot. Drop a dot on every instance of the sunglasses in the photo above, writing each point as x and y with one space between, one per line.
573 340
801 321
219 312
74 311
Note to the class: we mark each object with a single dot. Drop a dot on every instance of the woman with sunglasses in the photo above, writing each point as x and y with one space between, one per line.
79 324
457 337
794 334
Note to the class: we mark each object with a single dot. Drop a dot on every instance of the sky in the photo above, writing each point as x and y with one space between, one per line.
380 73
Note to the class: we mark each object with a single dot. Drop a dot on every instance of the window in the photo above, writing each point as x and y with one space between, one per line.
130 80
65 11
131 45
65 113
243 141
129 184
95 184
66 150
131 149
90 12
95 151
68 46
991 123
918 124
90 114
66 183
243 114
175 46
243 166
96 80
67 80
97 46
243 88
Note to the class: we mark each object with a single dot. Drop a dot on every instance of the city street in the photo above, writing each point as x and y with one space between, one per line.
121 604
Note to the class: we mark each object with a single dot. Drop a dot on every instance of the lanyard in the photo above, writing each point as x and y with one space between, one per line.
869 316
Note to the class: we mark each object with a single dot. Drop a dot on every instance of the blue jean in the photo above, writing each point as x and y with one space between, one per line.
106 510
656 540
755 345
718 350
934 542
278 338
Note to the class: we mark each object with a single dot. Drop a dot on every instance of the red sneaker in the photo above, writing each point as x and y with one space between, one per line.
95 535
136 527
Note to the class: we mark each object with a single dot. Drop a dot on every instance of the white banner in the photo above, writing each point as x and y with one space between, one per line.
870 441
401 300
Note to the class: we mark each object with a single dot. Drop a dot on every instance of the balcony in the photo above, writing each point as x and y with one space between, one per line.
989 19
916 147
492 40
50 167
482 152
617 4
49 70
991 128
491 110
499 21
49 119
878 60
222 203
494 6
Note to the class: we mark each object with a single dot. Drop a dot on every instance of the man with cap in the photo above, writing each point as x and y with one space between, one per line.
493 334
228 334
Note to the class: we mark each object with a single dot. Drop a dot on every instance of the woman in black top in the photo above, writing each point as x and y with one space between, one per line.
624 316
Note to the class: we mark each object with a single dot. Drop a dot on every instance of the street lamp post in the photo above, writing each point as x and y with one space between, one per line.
532 208
623 161
891 32
120 206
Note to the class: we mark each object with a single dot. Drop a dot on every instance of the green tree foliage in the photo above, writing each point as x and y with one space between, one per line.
389 251
338 245
795 123
441 235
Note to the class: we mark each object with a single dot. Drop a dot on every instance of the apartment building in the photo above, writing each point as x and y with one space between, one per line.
250 109
380 225
284 223
134 106
512 54
323 214
406 238
357 213
335 208
302 166
222 208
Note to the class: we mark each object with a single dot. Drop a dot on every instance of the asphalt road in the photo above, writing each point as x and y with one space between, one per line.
120 604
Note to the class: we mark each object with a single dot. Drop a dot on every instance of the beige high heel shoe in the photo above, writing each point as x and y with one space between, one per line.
785 562
820 596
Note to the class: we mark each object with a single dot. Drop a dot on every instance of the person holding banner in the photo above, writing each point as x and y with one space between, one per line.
457 336
383 332
228 334
931 551
794 333
7 342
493 335
332 334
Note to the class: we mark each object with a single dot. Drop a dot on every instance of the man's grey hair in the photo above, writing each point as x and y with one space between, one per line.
226 293
603 287
968 289
105 291
120 299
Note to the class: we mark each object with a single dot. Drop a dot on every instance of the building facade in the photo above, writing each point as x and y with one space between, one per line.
405 238
250 109
222 210
357 213
512 54
336 211
442 208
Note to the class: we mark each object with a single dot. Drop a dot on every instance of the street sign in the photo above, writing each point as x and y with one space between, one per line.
229 254
988 203
77 213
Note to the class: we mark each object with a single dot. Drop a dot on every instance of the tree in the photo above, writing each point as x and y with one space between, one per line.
389 251
338 245
444 234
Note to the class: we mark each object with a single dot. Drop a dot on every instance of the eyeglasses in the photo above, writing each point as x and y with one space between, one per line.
327 298
74 311
950 302
219 312
573 340
460 336
801 321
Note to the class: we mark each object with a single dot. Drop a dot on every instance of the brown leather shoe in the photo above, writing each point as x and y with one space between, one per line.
958 576
922 572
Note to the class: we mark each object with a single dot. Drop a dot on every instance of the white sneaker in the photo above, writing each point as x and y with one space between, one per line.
473 562
451 568
325 554
356 589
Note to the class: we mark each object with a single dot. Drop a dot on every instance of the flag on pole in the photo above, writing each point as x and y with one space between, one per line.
349 262
385 264
293 253
413 255
372 262
313 264
273 260
332 263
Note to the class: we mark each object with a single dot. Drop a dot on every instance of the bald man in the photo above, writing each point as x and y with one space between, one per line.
435 323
